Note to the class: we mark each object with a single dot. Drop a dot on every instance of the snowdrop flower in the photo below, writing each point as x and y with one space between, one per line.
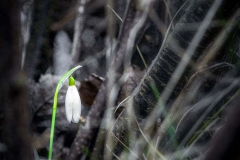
72 102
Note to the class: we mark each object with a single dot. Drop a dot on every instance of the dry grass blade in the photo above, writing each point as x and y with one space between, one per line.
220 40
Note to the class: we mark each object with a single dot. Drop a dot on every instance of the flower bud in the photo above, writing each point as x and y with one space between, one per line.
72 102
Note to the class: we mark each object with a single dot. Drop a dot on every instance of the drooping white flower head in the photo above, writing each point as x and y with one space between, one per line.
72 102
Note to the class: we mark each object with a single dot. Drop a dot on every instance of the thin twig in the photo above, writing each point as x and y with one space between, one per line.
78 28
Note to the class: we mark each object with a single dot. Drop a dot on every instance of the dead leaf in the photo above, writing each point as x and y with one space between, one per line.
89 88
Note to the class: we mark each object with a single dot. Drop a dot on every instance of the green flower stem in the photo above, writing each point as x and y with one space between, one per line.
59 85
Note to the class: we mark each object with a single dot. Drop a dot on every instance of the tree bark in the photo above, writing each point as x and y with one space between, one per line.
16 132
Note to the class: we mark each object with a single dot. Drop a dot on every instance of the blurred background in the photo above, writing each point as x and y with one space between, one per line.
159 78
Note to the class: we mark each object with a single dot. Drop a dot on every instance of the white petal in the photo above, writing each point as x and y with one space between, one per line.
68 105
72 104
76 110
